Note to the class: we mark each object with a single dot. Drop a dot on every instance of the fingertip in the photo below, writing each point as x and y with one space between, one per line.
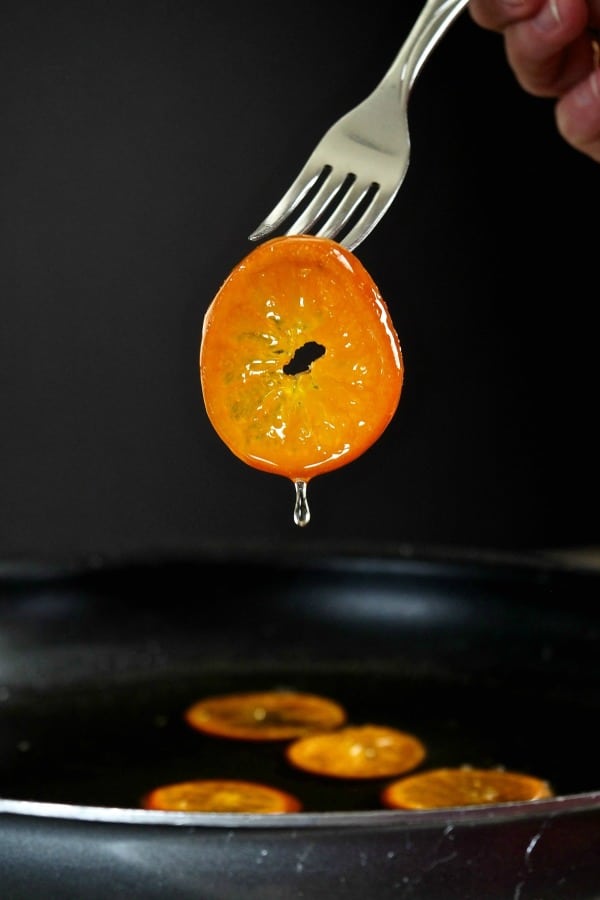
578 115
497 15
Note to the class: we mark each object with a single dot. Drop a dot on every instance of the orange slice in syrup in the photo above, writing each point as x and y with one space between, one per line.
265 715
463 786
357 751
222 796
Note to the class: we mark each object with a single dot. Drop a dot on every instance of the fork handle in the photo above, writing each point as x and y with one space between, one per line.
435 18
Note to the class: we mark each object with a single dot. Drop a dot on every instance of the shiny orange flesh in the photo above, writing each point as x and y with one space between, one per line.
222 796
265 715
463 786
360 751
300 365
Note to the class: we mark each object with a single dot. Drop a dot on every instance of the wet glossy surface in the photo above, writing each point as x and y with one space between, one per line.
98 671
487 663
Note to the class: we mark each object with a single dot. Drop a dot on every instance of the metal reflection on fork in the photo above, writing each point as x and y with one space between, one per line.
357 168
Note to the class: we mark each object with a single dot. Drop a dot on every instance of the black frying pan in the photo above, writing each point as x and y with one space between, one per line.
490 661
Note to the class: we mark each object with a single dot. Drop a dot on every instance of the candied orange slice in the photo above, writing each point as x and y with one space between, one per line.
221 795
300 365
463 786
265 715
358 751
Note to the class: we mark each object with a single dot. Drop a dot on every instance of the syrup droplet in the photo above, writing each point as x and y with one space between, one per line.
301 508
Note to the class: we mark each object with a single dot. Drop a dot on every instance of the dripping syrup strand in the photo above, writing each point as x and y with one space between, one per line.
301 508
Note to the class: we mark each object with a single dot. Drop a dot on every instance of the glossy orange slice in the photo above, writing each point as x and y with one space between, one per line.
221 795
463 786
265 715
359 751
300 365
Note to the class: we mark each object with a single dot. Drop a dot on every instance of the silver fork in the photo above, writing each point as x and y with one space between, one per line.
357 168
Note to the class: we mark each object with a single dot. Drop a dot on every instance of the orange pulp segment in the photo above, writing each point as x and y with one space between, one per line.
300 365
265 715
463 786
221 795
359 751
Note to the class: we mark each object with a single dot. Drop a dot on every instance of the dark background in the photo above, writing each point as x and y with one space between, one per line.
140 143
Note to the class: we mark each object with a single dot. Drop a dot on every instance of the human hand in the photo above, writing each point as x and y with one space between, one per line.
552 47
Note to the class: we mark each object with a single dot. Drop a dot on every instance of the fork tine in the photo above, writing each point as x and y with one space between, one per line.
370 141
342 213
326 193
369 218
299 188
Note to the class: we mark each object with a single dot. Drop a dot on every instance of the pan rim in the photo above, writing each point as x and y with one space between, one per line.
530 810
331 554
